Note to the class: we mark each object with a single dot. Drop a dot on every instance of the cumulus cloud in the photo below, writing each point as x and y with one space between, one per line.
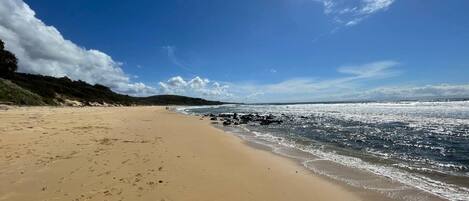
41 49
197 87
198 83
352 12
177 82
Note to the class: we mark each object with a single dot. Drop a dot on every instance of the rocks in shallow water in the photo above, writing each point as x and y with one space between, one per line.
244 119
265 122
210 115
226 115
238 119
227 123
268 122
270 117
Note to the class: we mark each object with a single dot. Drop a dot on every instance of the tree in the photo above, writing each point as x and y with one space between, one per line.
8 62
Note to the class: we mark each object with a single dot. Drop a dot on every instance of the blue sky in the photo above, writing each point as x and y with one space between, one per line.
252 51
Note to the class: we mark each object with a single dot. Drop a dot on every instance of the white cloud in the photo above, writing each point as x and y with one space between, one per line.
41 49
198 83
369 70
372 6
352 12
197 87
177 82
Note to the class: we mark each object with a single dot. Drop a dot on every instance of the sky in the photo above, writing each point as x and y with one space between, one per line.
248 50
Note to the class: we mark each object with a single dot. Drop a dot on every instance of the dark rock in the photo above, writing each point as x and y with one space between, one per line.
270 116
268 122
226 115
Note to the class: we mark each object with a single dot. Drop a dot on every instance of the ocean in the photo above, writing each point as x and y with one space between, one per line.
404 150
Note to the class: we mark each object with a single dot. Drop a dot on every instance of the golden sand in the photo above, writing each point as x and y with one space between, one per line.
141 153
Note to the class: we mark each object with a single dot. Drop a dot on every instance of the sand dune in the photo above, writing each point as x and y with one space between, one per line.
141 153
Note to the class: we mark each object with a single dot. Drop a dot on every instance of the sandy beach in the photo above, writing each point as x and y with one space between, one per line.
142 153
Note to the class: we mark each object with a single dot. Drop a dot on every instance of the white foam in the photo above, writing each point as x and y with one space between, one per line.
438 188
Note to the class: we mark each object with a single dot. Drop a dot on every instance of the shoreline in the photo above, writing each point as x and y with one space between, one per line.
147 154
363 194
377 186
360 193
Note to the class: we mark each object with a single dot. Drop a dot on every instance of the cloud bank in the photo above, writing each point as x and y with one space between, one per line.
352 12
41 49
197 87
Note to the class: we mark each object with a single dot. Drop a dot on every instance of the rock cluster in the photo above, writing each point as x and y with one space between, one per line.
237 119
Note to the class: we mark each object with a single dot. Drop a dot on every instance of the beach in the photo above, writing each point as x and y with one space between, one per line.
403 150
143 153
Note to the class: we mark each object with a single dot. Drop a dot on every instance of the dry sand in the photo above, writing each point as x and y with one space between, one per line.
141 153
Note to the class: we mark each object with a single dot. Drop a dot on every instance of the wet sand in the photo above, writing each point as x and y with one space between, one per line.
142 153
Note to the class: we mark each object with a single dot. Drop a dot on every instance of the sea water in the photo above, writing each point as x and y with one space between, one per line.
404 150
